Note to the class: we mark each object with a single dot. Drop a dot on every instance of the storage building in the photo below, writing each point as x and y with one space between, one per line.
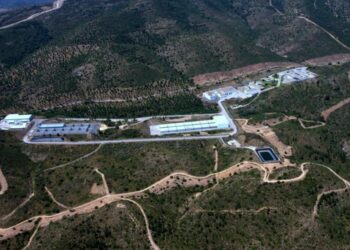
217 123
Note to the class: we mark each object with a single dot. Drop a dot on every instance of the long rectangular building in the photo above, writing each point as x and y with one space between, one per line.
217 123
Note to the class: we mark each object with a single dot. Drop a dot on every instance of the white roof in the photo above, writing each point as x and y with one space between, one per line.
218 122
17 117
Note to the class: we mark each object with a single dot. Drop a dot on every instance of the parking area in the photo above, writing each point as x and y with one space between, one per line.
61 129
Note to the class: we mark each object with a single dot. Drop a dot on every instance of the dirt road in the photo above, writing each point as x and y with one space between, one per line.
105 185
336 59
3 183
212 78
268 134
324 30
325 114
340 190
76 160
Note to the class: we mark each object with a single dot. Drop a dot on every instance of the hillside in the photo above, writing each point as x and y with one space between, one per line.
120 55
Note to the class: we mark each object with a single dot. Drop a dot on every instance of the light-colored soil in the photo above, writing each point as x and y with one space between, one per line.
277 121
233 211
268 134
216 164
18 207
105 185
54 200
212 78
97 189
165 184
324 30
340 190
303 123
3 183
149 233
325 114
337 59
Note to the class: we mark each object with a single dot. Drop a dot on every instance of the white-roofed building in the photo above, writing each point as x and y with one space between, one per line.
292 75
15 121
218 122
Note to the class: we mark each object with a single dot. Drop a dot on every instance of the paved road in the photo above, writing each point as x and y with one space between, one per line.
57 4
26 138
136 140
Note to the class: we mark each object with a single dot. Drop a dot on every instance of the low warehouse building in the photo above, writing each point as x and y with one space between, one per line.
217 123
15 121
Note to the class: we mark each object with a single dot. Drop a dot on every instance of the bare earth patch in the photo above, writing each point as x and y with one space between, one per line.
212 78
337 59
326 113
97 189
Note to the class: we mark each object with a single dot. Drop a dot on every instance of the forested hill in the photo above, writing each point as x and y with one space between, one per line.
136 49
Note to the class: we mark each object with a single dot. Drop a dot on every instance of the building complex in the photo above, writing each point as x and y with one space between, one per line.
218 122
255 87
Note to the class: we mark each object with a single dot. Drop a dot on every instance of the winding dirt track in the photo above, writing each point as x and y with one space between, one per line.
3 183
268 134
54 199
325 114
340 190
105 185
76 160
324 30
149 233
167 183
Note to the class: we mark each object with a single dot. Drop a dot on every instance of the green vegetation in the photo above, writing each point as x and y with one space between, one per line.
306 100
107 228
224 216
182 104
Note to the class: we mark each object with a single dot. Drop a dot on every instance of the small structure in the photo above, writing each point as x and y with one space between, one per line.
267 155
218 122
15 121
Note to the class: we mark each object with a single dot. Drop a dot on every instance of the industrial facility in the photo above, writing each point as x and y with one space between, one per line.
15 121
292 76
255 87
243 92
61 129
218 122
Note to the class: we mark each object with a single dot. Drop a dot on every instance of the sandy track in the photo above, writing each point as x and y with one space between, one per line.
319 196
336 59
167 183
18 207
324 30
326 113
3 183
105 185
234 211
54 199
216 156
149 233
211 78
76 160
268 134
302 124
